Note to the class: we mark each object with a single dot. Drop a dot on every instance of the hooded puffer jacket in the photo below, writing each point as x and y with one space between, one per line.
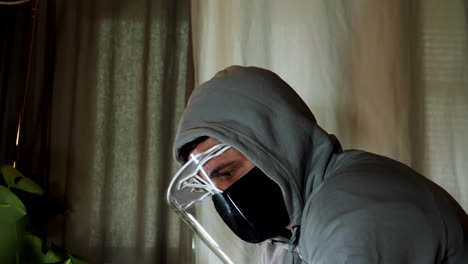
344 206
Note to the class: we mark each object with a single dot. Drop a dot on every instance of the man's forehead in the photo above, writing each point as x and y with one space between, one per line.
205 145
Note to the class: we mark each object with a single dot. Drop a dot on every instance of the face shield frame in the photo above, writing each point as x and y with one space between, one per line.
188 188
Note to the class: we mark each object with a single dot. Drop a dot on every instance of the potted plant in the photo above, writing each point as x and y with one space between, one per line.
18 243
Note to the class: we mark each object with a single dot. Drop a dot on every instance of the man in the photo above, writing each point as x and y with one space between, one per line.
249 141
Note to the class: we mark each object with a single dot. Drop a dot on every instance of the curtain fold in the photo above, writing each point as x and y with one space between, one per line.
110 82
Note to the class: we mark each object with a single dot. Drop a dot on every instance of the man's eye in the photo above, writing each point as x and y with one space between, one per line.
225 174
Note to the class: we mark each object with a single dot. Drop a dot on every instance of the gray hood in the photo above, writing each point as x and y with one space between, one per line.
259 114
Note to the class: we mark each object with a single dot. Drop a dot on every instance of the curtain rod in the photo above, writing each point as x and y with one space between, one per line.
14 3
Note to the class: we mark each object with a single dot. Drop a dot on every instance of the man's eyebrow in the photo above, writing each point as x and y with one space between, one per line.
216 172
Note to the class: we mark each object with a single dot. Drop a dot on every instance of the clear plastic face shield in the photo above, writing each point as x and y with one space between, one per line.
239 216
192 184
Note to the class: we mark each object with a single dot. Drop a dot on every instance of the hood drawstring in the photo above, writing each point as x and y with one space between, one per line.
291 246
294 244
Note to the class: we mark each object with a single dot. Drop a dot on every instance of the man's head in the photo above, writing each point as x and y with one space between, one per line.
248 201
271 136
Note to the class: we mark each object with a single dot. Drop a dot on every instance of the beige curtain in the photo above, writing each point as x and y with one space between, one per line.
121 73
390 77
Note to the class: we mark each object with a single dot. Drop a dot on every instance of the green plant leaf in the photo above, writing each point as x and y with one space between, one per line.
74 260
28 185
32 251
40 207
8 242
15 179
10 174
11 208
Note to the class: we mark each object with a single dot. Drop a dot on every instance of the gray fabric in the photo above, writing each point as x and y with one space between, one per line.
345 207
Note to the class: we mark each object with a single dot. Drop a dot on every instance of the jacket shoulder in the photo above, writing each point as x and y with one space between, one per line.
372 210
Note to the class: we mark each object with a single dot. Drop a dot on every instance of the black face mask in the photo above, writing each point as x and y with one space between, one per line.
253 207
